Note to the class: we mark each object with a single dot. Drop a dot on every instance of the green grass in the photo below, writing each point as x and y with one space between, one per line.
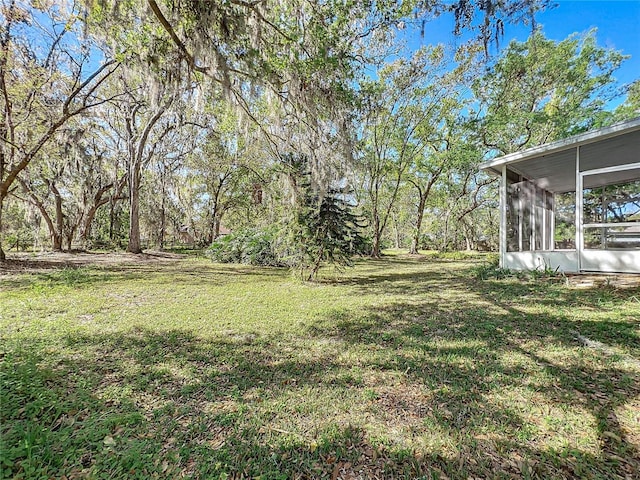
399 368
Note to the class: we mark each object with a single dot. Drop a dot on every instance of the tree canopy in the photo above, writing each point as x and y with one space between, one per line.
163 122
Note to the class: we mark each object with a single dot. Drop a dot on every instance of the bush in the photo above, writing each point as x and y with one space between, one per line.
491 269
248 246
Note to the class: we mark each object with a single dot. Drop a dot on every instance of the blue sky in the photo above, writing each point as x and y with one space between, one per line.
617 23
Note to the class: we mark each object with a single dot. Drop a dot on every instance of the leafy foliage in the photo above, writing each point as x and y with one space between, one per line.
541 90
324 226
247 246
180 134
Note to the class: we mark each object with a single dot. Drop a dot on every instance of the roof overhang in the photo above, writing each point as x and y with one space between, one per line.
553 165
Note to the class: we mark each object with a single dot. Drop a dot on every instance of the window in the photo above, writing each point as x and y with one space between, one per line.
529 217
612 216
612 238
618 203
564 234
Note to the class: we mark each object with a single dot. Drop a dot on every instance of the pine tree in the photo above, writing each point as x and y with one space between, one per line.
326 229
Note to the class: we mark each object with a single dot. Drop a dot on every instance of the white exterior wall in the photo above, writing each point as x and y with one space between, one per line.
608 261
623 261
563 261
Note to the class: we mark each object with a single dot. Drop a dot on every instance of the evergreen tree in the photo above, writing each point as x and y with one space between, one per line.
325 227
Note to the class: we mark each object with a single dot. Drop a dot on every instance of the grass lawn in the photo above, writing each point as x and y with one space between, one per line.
399 368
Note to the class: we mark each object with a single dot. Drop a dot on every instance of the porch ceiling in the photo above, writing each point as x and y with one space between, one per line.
553 166
555 172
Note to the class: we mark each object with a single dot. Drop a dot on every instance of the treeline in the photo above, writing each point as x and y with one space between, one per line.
179 122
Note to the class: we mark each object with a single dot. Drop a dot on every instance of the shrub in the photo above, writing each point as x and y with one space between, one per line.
491 269
248 246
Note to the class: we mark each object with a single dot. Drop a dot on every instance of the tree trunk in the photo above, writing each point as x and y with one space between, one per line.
397 233
316 266
163 227
85 232
445 239
467 233
415 242
56 238
136 162
98 201
163 207
70 235
112 221
57 233
375 247
468 242
134 245
3 256
216 227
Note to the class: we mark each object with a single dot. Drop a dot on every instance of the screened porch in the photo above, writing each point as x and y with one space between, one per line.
573 205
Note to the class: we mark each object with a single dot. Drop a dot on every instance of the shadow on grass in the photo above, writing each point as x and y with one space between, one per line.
148 403
116 409
79 276
569 383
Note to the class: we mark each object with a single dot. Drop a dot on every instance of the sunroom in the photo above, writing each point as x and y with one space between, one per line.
572 205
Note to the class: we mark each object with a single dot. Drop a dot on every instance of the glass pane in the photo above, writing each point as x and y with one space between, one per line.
548 218
565 220
529 214
526 220
592 205
612 203
513 217
612 238
540 227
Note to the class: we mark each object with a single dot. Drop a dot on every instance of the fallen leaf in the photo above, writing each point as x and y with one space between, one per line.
612 436
336 472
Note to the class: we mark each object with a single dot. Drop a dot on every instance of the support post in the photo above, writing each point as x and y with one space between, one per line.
543 215
503 216
552 225
579 210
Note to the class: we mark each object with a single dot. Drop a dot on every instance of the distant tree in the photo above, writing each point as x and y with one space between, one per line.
48 75
69 181
631 106
541 90
406 115
223 173
325 228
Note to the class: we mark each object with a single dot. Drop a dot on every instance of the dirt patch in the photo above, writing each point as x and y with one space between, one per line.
615 280
38 262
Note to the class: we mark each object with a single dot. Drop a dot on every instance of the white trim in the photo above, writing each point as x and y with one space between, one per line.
562 260
615 168
552 234
607 225
579 207
625 261
565 144
503 215
544 242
